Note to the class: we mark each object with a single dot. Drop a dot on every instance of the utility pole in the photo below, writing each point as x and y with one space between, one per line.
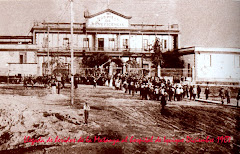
71 46
48 68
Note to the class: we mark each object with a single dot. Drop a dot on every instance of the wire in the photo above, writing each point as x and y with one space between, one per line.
64 12
53 10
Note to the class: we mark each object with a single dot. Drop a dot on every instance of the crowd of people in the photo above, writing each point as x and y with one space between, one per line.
155 88
149 88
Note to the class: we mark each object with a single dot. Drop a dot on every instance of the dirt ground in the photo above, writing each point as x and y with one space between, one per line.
36 114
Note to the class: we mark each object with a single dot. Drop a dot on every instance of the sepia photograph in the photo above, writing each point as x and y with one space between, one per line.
119 76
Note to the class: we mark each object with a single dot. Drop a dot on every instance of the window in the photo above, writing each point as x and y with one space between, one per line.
237 61
111 39
189 70
22 58
125 43
85 42
101 44
164 44
111 43
45 42
145 45
66 42
208 60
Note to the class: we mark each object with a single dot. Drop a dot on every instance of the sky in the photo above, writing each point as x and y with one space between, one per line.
206 23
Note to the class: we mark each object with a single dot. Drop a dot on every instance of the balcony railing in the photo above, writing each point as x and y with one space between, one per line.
98 49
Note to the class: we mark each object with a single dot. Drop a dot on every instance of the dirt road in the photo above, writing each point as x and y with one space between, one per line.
33 115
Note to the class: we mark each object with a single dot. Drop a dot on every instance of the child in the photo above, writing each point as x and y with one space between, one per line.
86 109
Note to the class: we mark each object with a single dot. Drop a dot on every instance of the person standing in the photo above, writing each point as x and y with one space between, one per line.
191 92
184 91
59 86
53 86
198 91
75 82
157 93
86 109
194 92
228 95
181 93
221 94
207 92
132 87
94 82
238 96
125 85
25 83
171 92
142 91
164 100
178 93
63 81
175 95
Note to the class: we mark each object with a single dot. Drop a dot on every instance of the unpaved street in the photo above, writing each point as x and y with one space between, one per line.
35 113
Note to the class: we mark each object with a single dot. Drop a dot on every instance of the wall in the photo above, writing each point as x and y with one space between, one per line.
23 69
212 66
188 59
9 57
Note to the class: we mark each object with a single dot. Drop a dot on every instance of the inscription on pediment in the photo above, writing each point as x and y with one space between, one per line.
107 20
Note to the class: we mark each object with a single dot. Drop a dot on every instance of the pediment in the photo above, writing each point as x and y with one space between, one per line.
110 11
108 19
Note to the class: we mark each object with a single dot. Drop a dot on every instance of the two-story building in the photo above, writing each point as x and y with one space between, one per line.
109 32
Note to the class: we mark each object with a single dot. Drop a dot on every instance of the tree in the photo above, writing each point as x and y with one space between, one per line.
118 62
95 59
157 55
171 59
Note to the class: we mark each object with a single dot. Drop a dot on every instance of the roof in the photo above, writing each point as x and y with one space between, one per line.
18 47
192 50
108 10
16 37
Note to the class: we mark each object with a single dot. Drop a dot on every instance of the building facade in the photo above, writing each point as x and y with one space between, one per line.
18 56
106 32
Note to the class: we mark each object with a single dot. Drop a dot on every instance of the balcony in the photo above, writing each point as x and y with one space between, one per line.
98 49
109 51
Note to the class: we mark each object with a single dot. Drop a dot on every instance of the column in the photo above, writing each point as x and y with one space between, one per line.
117 42
111 74
159 71
124 68
193 74
149 67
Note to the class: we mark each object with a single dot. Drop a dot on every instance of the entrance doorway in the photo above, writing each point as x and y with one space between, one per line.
101 44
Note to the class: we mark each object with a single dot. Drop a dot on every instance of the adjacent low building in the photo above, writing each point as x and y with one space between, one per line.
213 65
18 56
